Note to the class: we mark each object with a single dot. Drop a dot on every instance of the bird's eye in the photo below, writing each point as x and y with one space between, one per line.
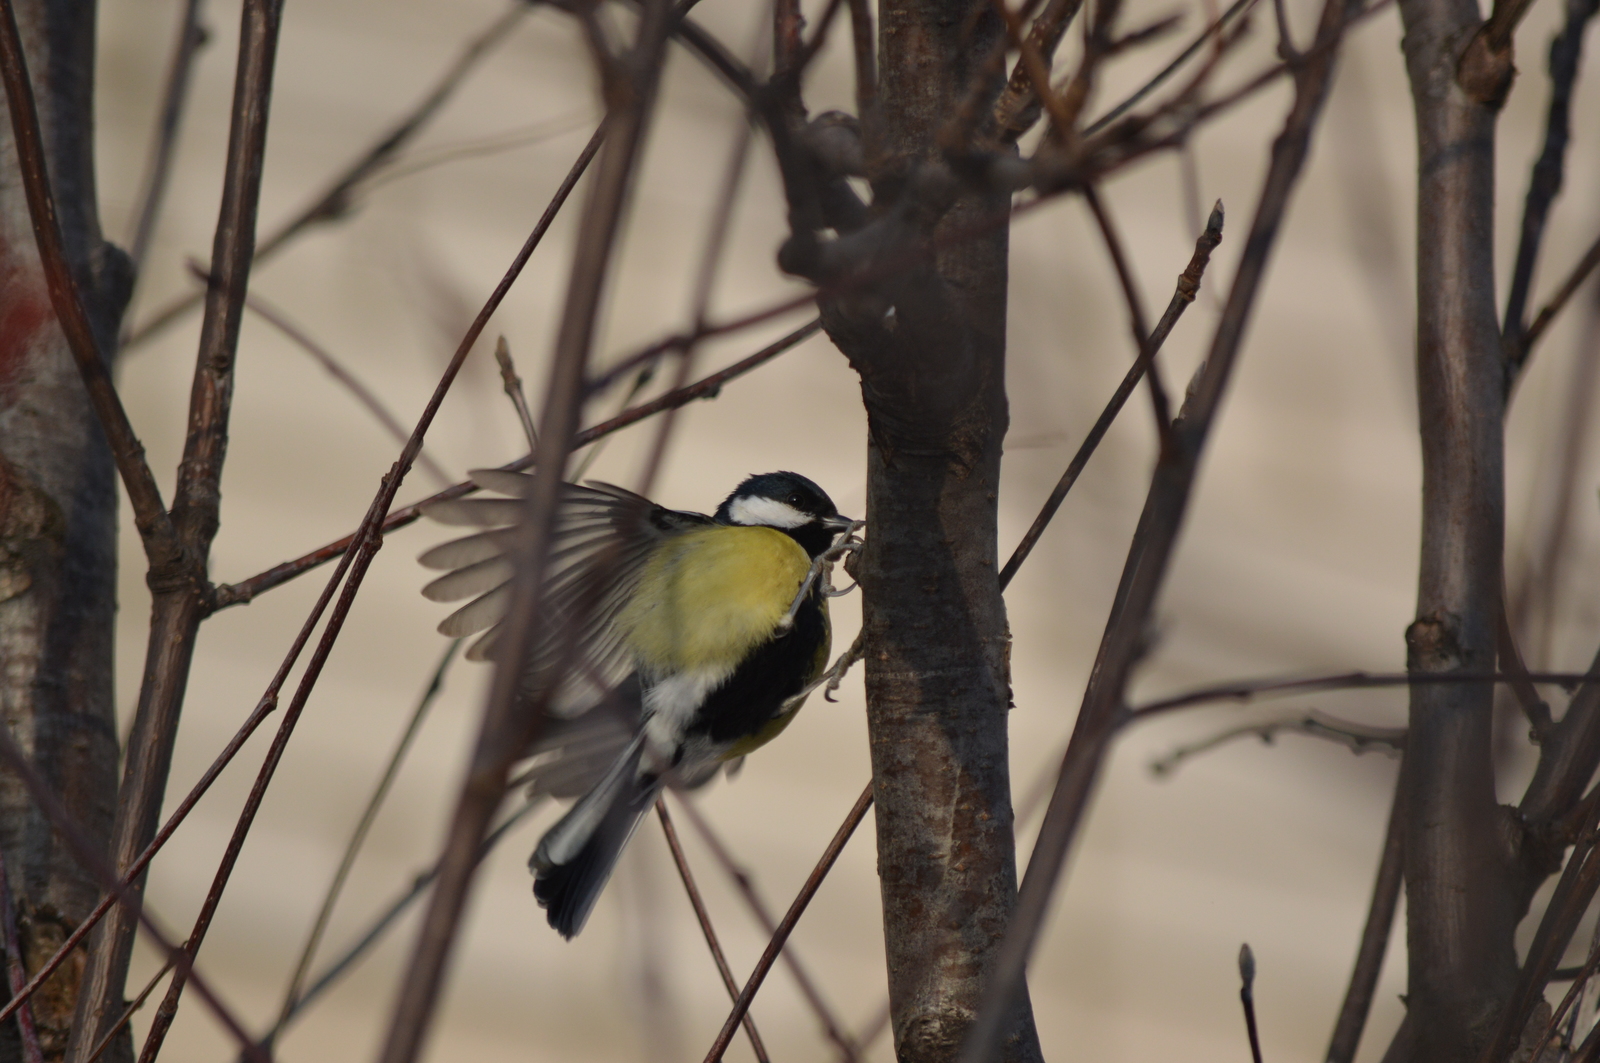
795 500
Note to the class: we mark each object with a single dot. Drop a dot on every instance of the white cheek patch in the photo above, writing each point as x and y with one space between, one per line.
752 510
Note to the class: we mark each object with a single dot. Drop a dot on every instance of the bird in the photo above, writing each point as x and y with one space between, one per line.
674 644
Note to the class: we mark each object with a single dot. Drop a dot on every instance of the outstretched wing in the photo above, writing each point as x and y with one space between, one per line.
603 536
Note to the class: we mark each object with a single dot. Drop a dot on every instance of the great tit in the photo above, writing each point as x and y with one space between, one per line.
669 650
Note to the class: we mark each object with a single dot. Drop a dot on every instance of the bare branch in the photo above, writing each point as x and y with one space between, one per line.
339 198
1374 936
88 855
1188 287
1136 312
796 909
1153 543
1569 287
513 388
1566 50
180 594
831 1027
1356 737
156 529
507 727
369 815
129 1011
158 170
16 974
1247 979
705 388
699 905
1245 690
279 320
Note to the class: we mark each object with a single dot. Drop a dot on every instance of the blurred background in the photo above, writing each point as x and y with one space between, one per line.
1299 555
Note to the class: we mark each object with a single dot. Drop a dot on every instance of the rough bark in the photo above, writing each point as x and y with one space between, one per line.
930 348
57 518
1462 911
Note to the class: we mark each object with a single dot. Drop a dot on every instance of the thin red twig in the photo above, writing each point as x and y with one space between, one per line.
770 954
698 903
16 973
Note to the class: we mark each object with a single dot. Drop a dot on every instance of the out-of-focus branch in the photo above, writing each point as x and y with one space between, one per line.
158 170
1020 103
369 815
1136 313
707 387
1564 293
339 198
699 905
831 1027
1566 50
508 724
1356 737
1154 541
769 955
1374 936
279 320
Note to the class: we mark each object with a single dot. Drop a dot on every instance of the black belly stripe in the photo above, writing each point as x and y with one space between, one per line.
776 671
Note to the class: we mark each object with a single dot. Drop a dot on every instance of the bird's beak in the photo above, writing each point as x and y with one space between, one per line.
837 524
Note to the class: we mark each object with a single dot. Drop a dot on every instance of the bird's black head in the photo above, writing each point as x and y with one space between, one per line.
788 502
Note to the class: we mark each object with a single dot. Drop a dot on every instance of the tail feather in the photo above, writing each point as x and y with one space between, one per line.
575 857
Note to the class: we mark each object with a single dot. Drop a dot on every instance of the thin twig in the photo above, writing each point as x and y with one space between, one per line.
796 909
1356 737
1544 184
1510 658
700 912
1247 997
1569 287
128 1012
513 388
16 973
1136 314
88 855
1188 286
832 1028
369 815
386 919
179 604
1374 936
707 387
1213 31
1245 690
339 197
367 543
508 723
1151 549
158 171
279 320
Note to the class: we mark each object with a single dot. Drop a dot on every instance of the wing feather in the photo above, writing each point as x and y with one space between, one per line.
603 536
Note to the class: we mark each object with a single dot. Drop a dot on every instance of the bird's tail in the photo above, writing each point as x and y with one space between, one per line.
575 857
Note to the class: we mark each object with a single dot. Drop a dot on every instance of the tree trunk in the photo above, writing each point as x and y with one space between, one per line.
1462 909
930 348
58 519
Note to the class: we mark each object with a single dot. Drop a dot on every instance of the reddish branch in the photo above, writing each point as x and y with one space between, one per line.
1154 540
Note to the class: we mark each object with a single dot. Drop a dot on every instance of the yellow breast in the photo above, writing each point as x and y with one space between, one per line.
711 595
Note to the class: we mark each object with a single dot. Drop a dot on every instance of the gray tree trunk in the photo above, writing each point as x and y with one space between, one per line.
937 642
58 518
